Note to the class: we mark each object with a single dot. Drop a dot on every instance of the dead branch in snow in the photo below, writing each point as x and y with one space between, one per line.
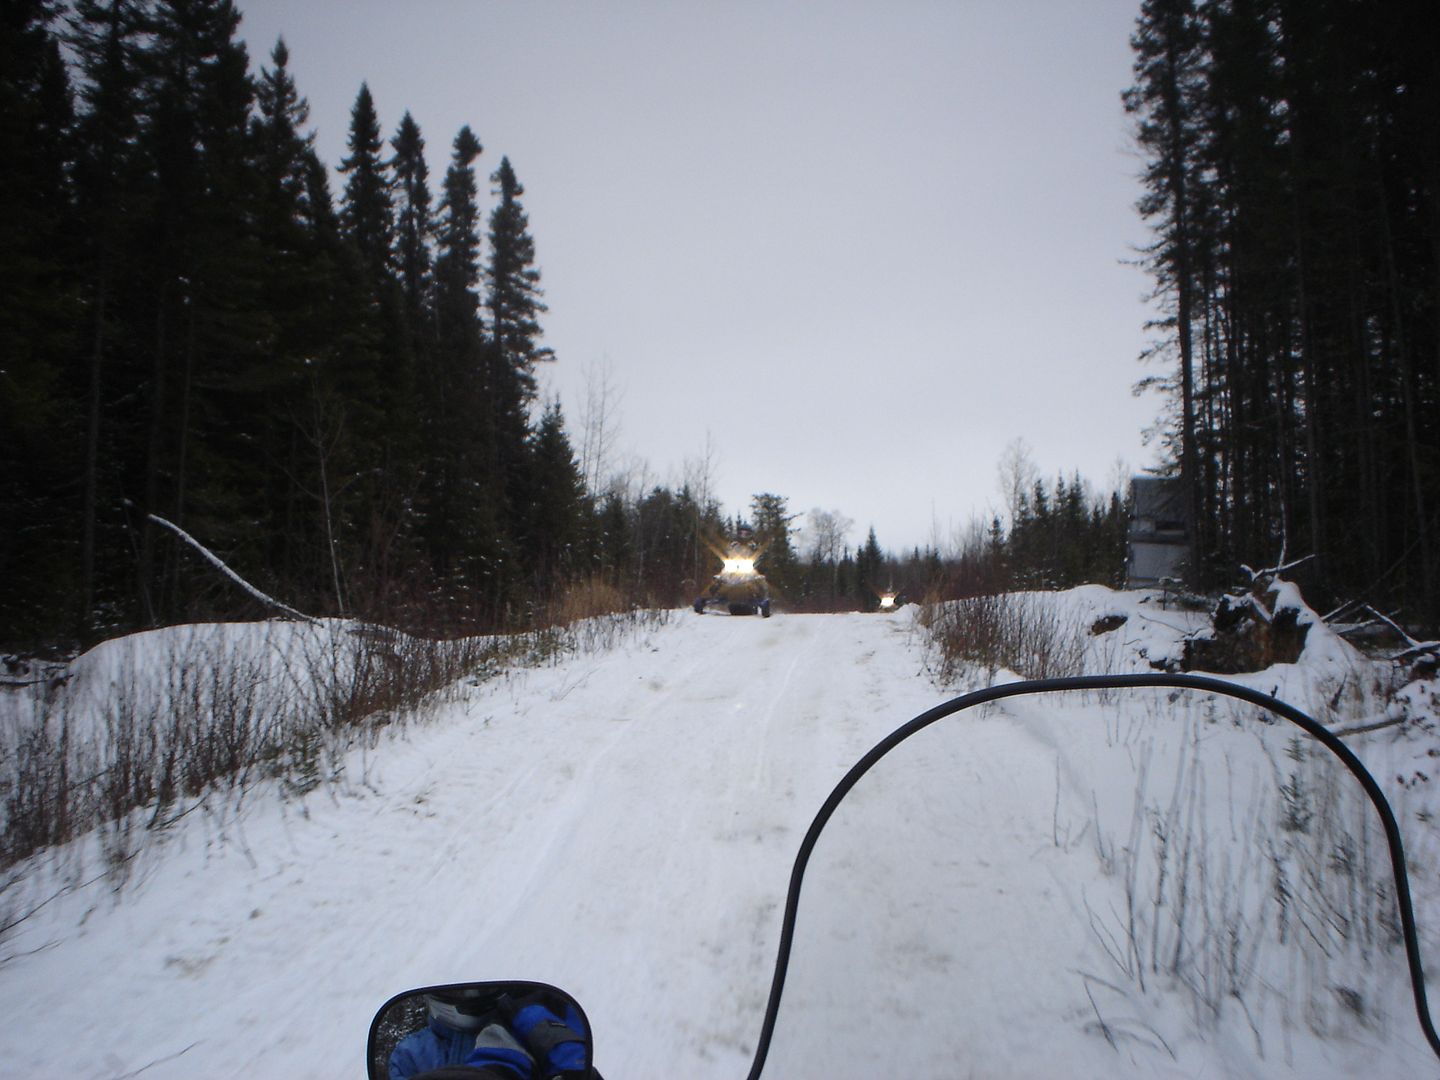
1373 725
1414 650
1271 572
219 564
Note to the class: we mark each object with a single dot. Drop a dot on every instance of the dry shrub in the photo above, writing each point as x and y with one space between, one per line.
215 715
1306 890
1023 633
210 716
587 599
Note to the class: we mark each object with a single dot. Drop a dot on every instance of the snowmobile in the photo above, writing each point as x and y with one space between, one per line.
739 587
853 994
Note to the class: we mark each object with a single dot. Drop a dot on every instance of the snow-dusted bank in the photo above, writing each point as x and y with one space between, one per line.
1079 888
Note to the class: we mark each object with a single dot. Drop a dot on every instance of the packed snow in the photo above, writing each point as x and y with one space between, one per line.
622 823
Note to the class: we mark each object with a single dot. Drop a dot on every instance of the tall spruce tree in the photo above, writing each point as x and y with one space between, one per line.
513 292
457 265
512 299
467 528
869 569
1165 100
368 214
1310 132
414 228
280 143
375 378
556 507
105 37
772 522
37 309
202 269
303 455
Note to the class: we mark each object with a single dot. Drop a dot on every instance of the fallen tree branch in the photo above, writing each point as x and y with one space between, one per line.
1415 649
1393 625
219 564
1275 571
1374 725
20 673
35 680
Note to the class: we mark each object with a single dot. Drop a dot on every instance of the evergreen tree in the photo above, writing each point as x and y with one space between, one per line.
105 39
280 155
1302 135
557 504
374 375
367 214
1166 101
37 305
281 147
845 577
512 300
773 521
467 518
312 462
414 227
513 295
202 271
614 547
869 570
457 267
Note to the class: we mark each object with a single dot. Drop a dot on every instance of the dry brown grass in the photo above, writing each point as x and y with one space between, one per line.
1015 631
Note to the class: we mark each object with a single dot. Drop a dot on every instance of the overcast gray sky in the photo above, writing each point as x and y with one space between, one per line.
854 249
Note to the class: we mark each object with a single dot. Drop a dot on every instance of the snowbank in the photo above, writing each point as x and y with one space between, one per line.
622 824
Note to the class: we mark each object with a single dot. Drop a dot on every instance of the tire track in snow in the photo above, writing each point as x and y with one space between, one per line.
622 825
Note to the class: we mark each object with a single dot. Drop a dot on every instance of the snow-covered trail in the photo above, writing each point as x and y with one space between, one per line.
622 825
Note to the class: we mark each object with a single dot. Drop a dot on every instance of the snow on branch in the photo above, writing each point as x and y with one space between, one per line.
219 564
1274 571
1414 648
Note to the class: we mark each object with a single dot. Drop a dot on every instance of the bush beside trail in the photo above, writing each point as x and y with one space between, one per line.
133 733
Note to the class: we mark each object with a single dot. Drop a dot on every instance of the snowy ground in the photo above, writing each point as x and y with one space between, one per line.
623 825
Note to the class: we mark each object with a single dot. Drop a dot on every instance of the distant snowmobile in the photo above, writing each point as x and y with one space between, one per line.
739 587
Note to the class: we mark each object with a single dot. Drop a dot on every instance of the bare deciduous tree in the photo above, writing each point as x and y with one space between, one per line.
1017 475
599 423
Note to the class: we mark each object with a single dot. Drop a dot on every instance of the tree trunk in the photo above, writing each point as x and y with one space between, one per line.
92 467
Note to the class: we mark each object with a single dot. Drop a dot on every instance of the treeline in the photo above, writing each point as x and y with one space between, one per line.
335 392
814 569
1293 186
1060 535
858 580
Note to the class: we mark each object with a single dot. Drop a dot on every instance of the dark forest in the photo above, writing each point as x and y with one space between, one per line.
333 388
1292 154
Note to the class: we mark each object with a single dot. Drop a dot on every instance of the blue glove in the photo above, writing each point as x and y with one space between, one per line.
559 1046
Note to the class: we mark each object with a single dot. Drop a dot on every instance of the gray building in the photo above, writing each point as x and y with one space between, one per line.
1158 542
